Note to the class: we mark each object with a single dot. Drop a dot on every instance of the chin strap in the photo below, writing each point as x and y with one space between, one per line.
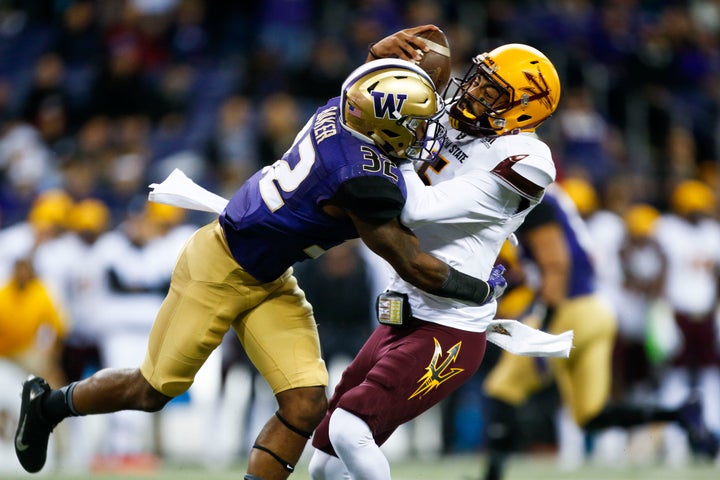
285 464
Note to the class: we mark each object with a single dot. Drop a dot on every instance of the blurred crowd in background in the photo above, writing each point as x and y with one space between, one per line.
98 99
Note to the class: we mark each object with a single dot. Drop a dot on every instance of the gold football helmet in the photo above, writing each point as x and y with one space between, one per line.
582 193
393 104
640 220
88 215
693 197
514 87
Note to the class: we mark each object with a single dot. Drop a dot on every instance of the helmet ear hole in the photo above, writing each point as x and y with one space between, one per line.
390 133
523 118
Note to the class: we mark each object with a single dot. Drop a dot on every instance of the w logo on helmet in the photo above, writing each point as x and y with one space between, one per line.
388 104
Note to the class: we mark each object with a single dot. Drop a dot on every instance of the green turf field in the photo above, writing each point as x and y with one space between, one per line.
446 468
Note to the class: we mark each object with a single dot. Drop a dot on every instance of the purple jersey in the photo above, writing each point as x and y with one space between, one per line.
554 208
276 218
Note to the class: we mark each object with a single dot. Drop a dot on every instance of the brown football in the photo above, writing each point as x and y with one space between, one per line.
436 62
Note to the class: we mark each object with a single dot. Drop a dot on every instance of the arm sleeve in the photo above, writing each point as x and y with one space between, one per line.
370 198
465 197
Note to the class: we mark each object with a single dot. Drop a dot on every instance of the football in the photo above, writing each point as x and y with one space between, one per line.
436 62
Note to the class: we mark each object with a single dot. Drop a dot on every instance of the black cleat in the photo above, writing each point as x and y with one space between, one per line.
31 438
702 441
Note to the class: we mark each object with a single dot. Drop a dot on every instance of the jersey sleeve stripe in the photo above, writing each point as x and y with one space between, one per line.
524 186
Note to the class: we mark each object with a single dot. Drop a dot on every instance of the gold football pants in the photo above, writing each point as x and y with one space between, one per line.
583 379
209 294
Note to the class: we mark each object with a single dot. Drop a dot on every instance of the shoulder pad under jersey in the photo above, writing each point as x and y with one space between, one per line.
539 170
528 168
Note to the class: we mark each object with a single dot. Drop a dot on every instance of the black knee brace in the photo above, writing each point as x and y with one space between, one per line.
285 464
293 428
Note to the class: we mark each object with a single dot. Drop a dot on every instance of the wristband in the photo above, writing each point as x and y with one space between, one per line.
549 315
370 51
464 287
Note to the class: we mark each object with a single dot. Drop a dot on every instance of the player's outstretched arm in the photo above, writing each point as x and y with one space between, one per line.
402 44
399 247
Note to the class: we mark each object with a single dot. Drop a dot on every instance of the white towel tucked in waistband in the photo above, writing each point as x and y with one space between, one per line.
520 339
180 191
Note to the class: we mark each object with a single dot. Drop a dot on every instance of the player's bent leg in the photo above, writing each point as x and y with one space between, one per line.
327 467
354 443
502 431
34 428
42 408
112 390
281 442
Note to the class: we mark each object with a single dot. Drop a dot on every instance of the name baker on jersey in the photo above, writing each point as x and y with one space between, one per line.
325 125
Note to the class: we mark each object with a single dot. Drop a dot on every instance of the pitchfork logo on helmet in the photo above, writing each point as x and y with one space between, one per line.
512 88
393 104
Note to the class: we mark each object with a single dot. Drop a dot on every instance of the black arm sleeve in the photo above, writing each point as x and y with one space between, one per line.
370 198
464 287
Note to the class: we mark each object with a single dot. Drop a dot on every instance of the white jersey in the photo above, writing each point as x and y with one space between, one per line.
481 191
693 253
16 241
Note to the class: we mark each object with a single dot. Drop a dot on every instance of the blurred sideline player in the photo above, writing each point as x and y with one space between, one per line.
32 323
555 242
135 262
45 222
483 183
78 277
338 181
690 237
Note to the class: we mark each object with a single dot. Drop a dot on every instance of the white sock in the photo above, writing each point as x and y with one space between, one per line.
327 467
353 442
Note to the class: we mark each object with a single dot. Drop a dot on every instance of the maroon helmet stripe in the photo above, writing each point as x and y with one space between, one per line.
505 171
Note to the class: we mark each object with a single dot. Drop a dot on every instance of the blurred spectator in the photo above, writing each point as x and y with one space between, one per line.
120 88
231 150
26 168
280 119
588 145
79 41
48 92
285 30
322 76
124 176
170 133
32 324
188 37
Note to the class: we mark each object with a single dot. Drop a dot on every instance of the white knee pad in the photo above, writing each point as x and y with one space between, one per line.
327 467
355 446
